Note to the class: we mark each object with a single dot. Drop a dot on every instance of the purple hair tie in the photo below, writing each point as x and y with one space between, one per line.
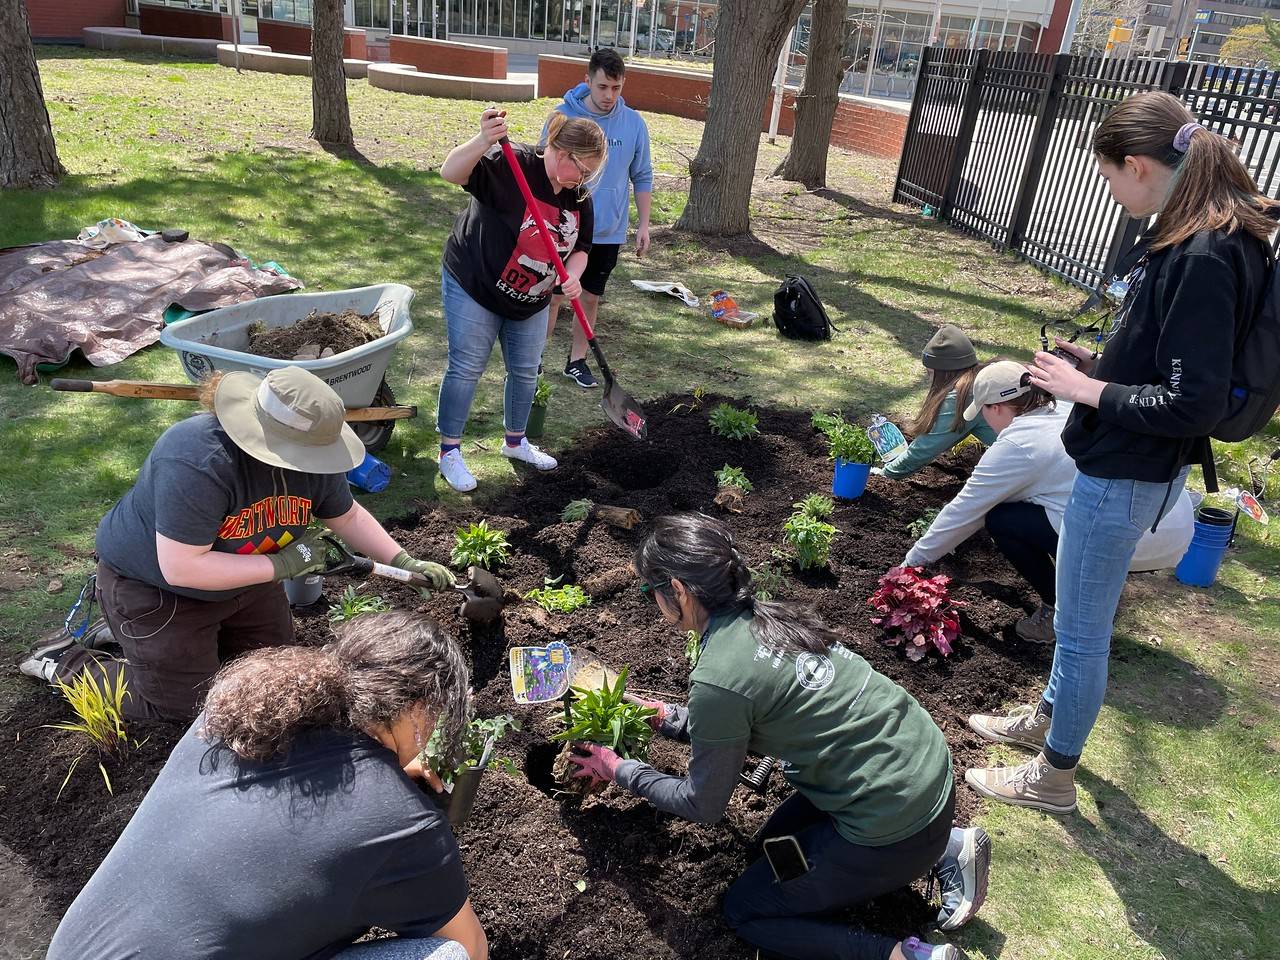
1182 139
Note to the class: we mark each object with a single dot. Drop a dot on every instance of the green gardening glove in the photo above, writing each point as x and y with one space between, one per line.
304 555
439 575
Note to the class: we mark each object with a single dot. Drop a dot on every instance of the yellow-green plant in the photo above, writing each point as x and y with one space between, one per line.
99 709
921 524
351 605
576 510
555 599
692 647
477 545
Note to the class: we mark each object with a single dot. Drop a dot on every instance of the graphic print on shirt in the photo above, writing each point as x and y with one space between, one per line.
529 275
260 519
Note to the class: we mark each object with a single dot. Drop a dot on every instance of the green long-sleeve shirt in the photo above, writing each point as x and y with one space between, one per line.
923 450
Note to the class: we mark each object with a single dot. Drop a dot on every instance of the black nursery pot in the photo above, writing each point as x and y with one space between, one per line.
465 787
537 421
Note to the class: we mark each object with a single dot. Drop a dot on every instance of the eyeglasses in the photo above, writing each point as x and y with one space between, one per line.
583 173
650 590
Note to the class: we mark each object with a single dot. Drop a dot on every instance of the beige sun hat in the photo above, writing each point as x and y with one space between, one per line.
290 418
998 382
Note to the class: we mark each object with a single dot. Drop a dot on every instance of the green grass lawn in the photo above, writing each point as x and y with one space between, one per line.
1173 853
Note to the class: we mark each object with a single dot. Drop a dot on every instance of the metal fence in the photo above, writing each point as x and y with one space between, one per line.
999 145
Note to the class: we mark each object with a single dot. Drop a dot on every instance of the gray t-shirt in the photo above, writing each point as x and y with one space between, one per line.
286 860
198 487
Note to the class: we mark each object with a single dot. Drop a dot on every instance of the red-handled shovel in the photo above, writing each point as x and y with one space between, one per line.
618 405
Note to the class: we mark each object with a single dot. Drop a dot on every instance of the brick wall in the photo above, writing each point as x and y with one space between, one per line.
286 36
64 19
178 22
858 125
450 58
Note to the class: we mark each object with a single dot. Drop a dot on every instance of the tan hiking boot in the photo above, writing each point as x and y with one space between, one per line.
1035 783
1023 726
1037 628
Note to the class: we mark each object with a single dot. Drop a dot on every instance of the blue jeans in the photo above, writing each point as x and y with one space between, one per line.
405 948
472 331
1100 531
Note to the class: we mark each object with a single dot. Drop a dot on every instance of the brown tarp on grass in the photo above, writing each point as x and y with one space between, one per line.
59 296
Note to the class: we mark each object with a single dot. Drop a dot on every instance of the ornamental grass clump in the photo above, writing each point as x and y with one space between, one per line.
478 545
916 610
728 421
99 709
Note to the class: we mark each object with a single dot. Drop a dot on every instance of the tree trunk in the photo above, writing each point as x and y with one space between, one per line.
806 162
749 34
330 115
28 155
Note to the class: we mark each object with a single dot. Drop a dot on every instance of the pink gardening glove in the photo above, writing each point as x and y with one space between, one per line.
659 708
600 763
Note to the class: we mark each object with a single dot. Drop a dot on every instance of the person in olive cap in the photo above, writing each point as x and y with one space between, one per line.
190 561
940 423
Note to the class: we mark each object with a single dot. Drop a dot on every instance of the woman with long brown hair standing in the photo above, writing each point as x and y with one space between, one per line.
286 821
1143 411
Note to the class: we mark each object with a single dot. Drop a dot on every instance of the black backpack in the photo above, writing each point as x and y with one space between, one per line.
1255 383
798 313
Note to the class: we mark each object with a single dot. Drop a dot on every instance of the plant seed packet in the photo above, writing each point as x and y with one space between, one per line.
886 438
540 674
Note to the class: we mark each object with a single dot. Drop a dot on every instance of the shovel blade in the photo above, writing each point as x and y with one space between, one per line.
624 410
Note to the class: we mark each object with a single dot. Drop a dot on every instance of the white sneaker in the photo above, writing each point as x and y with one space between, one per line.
455 472
39 668
529 454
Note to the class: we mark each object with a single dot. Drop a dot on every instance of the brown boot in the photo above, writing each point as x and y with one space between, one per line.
1037 628
1035 783
1024 726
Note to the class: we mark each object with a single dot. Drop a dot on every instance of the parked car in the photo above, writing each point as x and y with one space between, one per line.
664 41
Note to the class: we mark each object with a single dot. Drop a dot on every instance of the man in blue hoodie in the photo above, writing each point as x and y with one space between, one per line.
628 166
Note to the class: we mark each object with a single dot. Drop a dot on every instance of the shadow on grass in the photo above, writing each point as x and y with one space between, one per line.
1156 686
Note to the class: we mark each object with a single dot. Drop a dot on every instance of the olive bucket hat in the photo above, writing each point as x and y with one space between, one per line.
290 418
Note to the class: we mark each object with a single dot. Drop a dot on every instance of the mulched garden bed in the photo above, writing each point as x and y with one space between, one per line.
652 883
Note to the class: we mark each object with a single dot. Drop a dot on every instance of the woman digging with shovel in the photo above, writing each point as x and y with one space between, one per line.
874 796
497 277
191 559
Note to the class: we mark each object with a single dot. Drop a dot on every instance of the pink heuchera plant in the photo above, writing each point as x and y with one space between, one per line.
917 610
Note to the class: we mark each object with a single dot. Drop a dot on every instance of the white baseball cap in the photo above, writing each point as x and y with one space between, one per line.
995 383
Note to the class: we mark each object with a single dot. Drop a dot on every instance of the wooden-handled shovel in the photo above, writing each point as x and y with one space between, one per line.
147 390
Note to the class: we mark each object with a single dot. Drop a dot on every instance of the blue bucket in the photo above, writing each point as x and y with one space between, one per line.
1199 565
372 475
850 479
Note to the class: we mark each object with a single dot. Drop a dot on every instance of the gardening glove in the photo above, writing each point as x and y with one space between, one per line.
656 720
877 471
914 559
301 556
600 763
439 575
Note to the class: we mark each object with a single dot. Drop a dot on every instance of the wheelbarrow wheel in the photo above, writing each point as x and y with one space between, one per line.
375 434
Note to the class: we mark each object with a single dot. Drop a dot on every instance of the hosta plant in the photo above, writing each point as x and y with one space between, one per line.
576 510
352 604
728 476
477 544
728 421
816 505
555 599
916 610
809 538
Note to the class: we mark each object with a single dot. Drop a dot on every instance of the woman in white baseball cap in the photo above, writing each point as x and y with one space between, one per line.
191 559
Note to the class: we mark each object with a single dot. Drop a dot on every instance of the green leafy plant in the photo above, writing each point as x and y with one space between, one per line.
351 605
921 524
542 392
816 505
576 510
479 545
733 423
824 423
810 538
603 716
768 580
850 443
99 709
694 404
479 731
728 476
555 599
692 647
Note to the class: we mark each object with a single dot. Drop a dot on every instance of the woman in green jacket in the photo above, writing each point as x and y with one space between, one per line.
939 425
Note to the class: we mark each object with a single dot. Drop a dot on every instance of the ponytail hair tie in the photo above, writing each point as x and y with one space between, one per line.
1182 139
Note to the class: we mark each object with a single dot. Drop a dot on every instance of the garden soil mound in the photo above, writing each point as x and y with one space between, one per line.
651 883
331 331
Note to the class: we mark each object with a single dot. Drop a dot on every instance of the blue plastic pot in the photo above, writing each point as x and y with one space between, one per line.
850 479
372 475
1199 565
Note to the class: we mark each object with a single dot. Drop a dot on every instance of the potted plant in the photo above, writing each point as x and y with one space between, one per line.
852 452
605 717
538 412
461 773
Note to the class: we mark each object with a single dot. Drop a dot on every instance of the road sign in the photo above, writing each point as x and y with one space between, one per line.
1204 16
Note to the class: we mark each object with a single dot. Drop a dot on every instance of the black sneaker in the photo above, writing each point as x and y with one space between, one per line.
961 875
580 373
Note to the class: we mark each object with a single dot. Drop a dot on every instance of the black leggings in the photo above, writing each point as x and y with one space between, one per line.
1024 535
787 919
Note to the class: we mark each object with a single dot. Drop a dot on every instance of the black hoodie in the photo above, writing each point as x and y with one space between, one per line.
1167 360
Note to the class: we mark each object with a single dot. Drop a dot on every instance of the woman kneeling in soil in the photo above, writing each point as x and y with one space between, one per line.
941 421
497 279
1019 491
191 559
874 794
286 822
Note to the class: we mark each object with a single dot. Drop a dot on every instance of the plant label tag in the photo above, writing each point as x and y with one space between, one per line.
540 674
886 438
1249 504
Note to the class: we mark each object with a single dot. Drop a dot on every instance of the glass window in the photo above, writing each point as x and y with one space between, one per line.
508 18
522 18
538 20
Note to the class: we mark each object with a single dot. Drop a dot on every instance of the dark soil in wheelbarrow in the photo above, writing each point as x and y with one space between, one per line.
313 334
651 884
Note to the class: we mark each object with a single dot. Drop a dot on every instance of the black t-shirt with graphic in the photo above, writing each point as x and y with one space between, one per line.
495 252
198 487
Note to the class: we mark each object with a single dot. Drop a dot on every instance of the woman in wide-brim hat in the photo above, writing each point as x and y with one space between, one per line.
192 557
